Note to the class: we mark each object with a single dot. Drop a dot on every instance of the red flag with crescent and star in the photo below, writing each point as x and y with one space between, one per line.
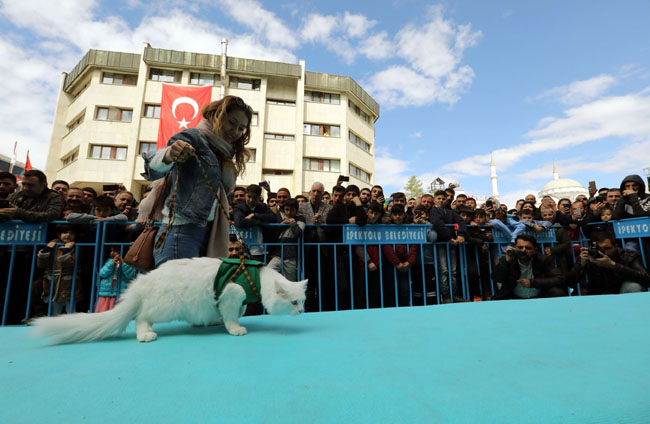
180 108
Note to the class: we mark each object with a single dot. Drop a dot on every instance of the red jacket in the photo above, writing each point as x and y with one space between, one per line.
400 253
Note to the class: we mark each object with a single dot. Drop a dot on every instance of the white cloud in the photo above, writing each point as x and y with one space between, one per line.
417 134
317 27
263 22
357 25
376 46
390 172
433 52
625 117
579 92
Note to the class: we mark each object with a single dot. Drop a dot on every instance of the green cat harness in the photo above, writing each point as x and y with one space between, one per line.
245 273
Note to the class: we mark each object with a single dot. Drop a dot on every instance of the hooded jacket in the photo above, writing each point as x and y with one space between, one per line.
632 205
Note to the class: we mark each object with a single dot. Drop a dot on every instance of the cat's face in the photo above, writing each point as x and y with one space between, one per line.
289 298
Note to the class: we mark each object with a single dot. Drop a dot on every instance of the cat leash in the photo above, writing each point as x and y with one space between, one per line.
245 249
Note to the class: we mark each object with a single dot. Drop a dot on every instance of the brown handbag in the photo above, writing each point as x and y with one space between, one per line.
140 254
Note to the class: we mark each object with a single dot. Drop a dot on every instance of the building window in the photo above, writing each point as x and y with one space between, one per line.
280 102
276 172
152 111
318 97
245 83
254 119
327 165
107 152
74 124
356 109
359 174
324 130
197 78
279 137
70 158
164 75
252 156
119 79
360 142
114 114
146 147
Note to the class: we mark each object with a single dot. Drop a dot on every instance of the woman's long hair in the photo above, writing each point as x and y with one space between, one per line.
216 112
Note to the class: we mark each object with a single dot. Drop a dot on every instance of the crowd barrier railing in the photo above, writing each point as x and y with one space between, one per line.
335 258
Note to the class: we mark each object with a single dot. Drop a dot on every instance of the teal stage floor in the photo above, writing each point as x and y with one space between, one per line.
570 360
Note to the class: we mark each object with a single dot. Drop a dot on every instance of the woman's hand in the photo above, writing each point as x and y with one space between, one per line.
180 151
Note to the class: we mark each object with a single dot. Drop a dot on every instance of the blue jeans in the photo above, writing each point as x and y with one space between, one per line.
183 241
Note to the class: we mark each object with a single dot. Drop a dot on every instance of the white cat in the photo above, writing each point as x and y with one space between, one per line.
183 290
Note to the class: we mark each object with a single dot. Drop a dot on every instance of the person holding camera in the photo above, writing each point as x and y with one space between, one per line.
608 268
524 273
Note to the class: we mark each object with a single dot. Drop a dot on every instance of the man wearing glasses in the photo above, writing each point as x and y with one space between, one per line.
610 270
524 273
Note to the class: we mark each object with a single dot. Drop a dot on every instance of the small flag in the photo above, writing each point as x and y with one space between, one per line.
28 163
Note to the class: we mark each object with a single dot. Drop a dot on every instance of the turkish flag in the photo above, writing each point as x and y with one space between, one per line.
28 163
180 108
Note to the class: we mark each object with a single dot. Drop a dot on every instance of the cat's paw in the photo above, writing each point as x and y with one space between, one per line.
238 331
148 336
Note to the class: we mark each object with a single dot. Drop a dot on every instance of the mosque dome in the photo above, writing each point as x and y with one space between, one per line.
560 188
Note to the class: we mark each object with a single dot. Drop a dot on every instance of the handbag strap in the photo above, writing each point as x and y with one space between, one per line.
172 214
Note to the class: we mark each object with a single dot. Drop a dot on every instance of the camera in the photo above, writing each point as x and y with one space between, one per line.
343 178
110 187
601 199
489 203
516 253
594 250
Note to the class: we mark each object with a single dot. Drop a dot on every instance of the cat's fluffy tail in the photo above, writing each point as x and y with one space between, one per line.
81 327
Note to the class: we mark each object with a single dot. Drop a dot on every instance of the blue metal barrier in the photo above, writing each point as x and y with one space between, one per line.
339 272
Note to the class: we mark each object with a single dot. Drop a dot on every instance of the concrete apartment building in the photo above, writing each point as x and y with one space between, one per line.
307 126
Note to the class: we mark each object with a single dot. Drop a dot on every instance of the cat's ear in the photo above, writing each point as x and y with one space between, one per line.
303 284
279 289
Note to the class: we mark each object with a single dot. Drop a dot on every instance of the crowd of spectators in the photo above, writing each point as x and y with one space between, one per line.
392 275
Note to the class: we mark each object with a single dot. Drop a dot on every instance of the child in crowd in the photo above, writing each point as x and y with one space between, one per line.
560 248
57 282
479 234
402 257
104 209
114 276
369 264
421 216
290 238
526 220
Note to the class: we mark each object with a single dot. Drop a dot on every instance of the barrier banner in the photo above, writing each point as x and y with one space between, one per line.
632 228
545 236
250 235
23 233
385 234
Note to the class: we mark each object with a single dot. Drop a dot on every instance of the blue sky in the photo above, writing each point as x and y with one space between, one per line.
530 81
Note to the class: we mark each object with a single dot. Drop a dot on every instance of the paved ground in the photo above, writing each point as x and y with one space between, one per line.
573 360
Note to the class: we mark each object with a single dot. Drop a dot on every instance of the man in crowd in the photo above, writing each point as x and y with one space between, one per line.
253 213
234 247
524 273
427 202
634 201
238 195
613 194
90 195
365 196
124 204
301 199
531 198
313 212
460 200
61 187
440 216
470 203
337 195
609 269
35 202
7 184
272 200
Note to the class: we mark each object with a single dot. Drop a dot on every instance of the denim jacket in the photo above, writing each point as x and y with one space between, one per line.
194 199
